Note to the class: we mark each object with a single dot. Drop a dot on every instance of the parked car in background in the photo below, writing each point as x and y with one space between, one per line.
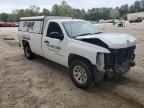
1 24
8 24
118 23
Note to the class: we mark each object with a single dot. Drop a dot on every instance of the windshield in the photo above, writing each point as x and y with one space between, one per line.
79 28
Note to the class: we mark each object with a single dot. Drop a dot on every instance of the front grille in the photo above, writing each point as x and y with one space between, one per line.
118 56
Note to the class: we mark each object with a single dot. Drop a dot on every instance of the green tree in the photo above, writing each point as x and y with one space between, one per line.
45 12
4 17
131 9
137 6
124 9
31 11
142 5
77 13
114 13
55 10
62 10
12 18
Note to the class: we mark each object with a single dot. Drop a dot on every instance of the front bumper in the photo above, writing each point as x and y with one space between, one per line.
119 61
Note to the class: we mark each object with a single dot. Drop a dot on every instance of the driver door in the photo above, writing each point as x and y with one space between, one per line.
54 49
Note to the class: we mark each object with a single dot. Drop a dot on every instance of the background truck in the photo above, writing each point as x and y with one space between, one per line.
89 54
135 17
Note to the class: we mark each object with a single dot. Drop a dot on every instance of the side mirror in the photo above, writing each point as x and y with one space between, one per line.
56 35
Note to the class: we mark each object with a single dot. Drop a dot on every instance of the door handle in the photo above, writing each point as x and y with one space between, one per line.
46 41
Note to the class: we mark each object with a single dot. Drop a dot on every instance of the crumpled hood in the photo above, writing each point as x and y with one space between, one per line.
113 40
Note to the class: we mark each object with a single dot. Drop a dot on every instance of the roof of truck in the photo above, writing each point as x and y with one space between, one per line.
33 18
65 20
39 18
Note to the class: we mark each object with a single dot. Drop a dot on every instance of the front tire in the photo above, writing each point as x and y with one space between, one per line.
28 53
81 73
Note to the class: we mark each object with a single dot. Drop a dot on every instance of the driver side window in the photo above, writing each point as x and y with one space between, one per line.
54 27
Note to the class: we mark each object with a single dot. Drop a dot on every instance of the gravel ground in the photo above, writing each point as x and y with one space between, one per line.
43 84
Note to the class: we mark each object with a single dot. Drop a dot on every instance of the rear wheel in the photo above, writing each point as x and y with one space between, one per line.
28 53
81 73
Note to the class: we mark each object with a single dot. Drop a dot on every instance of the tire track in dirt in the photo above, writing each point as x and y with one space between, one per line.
127 98
118 94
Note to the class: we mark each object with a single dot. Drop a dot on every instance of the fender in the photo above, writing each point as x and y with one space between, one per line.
85 50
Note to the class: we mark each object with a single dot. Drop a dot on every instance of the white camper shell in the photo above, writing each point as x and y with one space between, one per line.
36 24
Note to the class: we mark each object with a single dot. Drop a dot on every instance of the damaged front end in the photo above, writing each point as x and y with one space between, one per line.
119 61
122 52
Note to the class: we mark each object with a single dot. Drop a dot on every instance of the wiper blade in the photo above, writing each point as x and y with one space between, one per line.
98 33
87 34
83 34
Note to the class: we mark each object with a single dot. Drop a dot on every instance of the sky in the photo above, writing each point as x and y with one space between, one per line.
8 5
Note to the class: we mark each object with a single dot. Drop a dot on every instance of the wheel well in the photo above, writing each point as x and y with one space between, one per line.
72 57
25 43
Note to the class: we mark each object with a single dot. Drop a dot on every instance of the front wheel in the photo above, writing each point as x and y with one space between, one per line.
28 53
81 73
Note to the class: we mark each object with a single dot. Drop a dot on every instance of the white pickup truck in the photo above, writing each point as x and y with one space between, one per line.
76 44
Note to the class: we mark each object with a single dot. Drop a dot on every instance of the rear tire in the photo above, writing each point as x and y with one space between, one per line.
81 73
28 53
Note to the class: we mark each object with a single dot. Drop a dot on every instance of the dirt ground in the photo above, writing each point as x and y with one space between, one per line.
43 84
